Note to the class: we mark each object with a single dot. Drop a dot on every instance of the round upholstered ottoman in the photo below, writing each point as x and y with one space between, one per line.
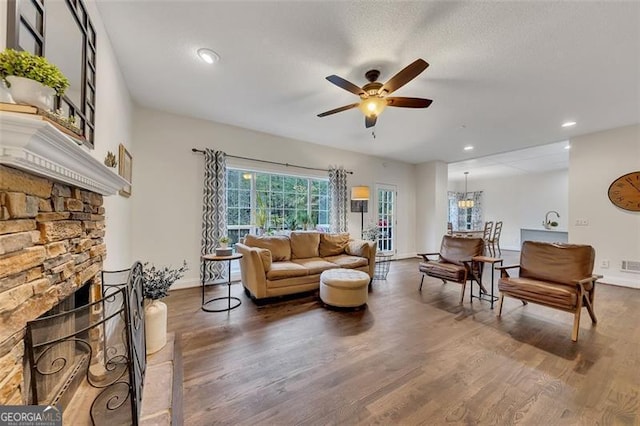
344 288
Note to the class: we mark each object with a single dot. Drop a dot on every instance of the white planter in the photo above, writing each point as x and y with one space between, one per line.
155 326
30 92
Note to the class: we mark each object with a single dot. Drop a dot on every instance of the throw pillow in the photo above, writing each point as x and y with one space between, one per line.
333 244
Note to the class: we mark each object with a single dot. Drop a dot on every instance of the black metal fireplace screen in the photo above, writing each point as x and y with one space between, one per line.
91 359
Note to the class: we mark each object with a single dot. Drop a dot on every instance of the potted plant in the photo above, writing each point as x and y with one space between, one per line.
156 286
224 242
31 78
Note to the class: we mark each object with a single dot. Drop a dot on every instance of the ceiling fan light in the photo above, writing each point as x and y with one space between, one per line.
373 106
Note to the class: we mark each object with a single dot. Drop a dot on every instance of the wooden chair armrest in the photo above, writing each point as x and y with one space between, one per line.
500 268
592 278
424 255
503 270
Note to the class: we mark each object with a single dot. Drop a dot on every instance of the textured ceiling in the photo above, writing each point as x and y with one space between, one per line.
503 75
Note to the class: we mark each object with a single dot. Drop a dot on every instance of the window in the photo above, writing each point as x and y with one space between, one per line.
268 202
62 32
465 219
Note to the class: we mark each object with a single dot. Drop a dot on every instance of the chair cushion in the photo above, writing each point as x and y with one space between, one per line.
304 244
540 291
456 249
556 262
315 265
444 270
278 245
348 262
333 244
281 270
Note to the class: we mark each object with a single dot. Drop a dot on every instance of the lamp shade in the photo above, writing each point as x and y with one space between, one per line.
360 193
465 204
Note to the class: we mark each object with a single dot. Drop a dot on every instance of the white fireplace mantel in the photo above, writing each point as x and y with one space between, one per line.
30 143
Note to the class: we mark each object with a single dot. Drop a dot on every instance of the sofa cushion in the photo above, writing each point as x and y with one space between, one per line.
280 270
278 245
304 244
315 265
536 290
333 244
348 262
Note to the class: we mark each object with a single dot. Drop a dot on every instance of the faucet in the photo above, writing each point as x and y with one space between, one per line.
547 222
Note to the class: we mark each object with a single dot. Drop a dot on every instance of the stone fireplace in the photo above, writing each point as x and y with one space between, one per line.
52 228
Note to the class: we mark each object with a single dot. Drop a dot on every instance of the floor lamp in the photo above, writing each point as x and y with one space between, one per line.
359 203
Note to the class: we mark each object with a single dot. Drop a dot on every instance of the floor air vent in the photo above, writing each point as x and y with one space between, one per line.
631 266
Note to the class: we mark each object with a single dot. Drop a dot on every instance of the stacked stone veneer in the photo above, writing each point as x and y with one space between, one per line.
51 243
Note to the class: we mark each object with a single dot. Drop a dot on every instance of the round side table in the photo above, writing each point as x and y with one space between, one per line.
213 258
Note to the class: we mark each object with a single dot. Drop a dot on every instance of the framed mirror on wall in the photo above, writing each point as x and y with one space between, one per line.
61 31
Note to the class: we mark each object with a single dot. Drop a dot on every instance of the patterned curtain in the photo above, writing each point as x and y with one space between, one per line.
476 211
214 211
338 199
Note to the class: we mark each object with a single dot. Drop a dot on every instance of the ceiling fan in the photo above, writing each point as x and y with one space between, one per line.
373 95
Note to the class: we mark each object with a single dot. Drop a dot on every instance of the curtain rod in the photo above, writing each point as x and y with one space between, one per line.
270 162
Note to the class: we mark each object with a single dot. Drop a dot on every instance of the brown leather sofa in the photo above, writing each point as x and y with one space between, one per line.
454 261
555 275
273 266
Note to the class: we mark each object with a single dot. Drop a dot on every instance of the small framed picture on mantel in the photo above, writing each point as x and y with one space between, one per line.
125 161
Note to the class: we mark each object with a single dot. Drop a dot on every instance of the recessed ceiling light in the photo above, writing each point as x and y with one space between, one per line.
567 147
468 148
208 55
568 124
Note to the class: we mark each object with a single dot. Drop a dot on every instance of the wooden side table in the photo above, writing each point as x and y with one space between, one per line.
482 292
213 258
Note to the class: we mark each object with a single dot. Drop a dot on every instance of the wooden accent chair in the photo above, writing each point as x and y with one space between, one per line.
555 275
454 261
495 240
486 236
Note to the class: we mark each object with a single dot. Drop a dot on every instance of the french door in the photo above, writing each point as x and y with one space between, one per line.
386 200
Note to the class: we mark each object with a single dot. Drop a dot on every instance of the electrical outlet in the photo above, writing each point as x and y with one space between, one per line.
604 264
582 222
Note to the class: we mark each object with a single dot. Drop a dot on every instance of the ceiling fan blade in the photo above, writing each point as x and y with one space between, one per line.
370 121
409 72
408 102
346 85
342 108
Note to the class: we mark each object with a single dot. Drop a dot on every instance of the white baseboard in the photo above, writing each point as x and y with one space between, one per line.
620 281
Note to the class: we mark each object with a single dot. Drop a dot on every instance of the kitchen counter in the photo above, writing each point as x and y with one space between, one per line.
557 235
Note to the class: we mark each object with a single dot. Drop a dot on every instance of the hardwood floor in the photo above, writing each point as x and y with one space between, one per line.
409 358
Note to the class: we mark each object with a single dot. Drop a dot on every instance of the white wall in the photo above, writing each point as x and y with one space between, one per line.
431 205
595 161
167 187
3 19
521 201
113 127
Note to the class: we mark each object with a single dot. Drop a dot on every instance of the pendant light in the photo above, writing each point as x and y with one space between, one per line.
465 203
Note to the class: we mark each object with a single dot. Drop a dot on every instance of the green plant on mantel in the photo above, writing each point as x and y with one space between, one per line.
27 65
